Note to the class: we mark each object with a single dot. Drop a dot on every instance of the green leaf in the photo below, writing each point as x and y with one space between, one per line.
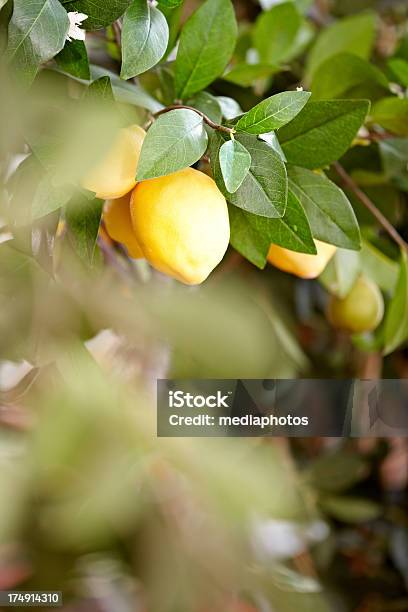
252 235
229 107
129 93
83 217
399 68
394 155
206 44
330 214
177 139
49 197
322 132
396 323
207 104
73 59
101 13
235 162
350 509
275 32
28 46
392 114
264 189
341 272
272 140
100 90
340 73
145 35
273 113
353 34
245 74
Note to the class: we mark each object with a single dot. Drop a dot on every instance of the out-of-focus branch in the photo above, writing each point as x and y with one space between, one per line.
369 204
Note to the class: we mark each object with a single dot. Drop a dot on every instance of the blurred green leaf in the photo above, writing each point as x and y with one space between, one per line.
145 35
350 509
399 68
377 266
252 235
340 73
235 162
83 218
396 322
73 59
246 74
330 214
100 12
336 471
354 34
322 132
176 140
391 114
341 272
275 32
273 113
264 189
27 46
206 44
170 3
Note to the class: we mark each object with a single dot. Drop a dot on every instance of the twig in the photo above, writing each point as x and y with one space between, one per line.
207 120
364 199
117 30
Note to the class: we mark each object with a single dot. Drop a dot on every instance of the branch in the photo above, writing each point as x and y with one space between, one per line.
364 199
207 120
117 31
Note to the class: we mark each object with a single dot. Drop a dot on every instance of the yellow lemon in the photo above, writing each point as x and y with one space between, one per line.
118 224
361 310
181 223
115 175
302 264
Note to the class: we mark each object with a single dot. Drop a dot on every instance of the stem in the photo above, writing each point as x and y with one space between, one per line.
364 199
207 120
117 30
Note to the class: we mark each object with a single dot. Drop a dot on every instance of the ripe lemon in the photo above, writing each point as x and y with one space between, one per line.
115 175
361 310
181 223
302 264
118 224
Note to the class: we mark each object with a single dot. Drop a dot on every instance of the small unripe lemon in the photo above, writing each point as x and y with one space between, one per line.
181 223
361 310
302 264
115 175
118 224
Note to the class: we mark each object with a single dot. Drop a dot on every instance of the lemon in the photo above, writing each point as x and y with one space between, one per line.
302 264
115 175
181 223
361 310
118 224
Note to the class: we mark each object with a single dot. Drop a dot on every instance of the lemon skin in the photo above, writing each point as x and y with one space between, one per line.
115 175
361 310
118 225
302 264
181 223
